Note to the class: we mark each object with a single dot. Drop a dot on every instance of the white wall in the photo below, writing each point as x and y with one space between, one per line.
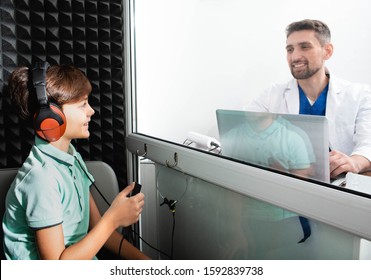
194 56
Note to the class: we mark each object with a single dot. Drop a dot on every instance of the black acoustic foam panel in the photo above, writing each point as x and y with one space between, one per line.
87 34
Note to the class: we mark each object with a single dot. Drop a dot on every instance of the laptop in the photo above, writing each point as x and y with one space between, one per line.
296 144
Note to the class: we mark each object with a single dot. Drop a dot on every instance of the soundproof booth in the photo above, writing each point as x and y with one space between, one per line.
170 81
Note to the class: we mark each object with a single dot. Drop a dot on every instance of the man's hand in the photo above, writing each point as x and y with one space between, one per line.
342 163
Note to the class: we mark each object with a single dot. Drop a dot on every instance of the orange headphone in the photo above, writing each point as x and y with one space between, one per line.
49 121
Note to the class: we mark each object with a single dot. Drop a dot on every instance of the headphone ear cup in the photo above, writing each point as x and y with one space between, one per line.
50 123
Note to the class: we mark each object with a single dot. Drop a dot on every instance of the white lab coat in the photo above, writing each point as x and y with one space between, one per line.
348 111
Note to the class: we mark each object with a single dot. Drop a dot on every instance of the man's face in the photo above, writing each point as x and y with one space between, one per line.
305 55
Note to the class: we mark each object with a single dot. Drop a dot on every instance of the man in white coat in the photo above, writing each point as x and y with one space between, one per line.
315 91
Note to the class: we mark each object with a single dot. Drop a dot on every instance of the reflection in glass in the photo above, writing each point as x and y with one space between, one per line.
270 143
212 222
278 141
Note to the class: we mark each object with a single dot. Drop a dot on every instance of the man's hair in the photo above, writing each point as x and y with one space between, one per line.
322 32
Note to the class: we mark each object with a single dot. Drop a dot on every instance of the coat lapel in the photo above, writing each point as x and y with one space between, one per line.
334 98
291 96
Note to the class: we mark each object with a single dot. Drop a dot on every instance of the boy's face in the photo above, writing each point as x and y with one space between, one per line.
78 116
305 55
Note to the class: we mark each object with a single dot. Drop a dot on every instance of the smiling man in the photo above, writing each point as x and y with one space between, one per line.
313 91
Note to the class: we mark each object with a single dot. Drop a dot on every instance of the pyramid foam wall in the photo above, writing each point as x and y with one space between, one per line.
87 34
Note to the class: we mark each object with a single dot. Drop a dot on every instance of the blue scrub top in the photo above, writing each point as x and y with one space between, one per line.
319 106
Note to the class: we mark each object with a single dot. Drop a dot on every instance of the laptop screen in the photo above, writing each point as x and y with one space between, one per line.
296 144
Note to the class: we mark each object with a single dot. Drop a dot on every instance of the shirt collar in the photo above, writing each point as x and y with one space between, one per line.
56 154
266 132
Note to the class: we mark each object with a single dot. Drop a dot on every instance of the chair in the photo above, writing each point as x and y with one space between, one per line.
105 187
6 178
105 181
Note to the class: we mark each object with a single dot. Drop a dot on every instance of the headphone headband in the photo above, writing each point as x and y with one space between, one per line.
39 83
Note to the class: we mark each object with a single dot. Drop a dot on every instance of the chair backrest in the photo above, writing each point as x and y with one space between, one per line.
105 181
6 178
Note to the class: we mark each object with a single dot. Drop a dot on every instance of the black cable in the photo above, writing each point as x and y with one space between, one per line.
122 240
149 245
172 236
109 204
92 182
172 206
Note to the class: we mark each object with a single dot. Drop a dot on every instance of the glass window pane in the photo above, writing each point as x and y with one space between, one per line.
215 223
193 57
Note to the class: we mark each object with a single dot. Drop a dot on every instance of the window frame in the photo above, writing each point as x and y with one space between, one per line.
328 204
